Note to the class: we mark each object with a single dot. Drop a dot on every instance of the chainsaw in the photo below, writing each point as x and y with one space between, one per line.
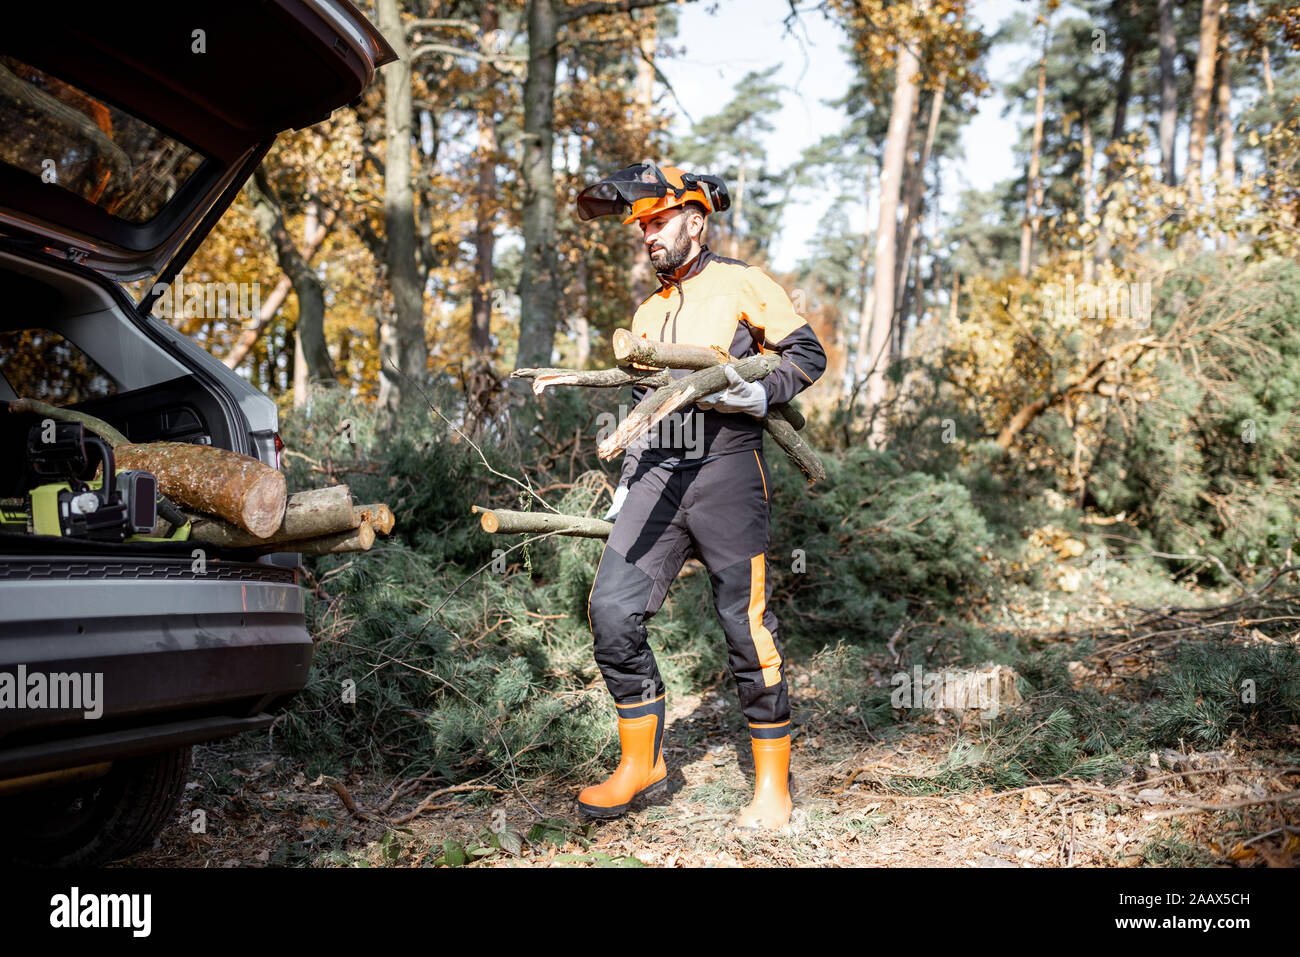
117 506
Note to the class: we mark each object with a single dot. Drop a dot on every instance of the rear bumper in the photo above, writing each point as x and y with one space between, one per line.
153 643
117 745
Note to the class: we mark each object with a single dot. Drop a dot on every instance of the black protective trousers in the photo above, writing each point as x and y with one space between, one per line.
719 511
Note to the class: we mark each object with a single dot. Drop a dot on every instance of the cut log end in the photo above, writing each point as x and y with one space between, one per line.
623 341
262 508
379 515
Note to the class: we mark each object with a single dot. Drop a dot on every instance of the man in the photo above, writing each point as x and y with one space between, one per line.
710 499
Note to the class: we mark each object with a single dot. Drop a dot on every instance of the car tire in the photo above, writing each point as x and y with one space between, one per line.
94 822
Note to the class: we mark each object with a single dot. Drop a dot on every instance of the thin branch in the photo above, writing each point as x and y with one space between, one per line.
599 9
453 51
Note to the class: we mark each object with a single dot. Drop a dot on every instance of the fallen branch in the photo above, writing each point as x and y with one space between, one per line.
680 393
595 378
673 355
505 522
341 790
616 378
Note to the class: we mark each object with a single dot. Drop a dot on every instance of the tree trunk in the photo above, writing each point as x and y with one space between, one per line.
866 301
915 195
480 329
1123 93
581 323
538 292
249 337
399 221
1265 60
1168 90
1033 192
891 170
952 305
1227 161
1202 87
480 332
737 206
1089 207
642 278
307 287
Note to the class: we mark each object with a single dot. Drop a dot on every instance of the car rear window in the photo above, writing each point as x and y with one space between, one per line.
71 140
41 364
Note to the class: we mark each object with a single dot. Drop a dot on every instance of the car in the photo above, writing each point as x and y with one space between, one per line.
125 132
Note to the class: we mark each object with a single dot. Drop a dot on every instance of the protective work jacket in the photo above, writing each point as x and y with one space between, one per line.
715 301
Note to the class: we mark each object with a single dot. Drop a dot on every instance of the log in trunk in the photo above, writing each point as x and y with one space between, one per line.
379 515
308 514
496 521
357 539
238 488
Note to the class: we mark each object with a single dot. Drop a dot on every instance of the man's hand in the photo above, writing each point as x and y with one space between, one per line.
740 396
620 493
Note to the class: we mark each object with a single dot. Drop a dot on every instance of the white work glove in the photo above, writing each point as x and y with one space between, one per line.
620 493
740 396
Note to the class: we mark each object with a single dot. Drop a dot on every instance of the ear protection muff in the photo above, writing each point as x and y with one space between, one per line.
719 199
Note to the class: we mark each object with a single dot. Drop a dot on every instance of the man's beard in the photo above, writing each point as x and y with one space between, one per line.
673 257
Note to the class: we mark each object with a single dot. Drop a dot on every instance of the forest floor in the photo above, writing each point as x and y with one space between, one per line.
249 805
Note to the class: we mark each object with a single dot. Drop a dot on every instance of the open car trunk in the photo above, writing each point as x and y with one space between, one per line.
126 129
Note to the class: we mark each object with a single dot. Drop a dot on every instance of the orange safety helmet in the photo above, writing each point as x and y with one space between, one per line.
671 199
645 189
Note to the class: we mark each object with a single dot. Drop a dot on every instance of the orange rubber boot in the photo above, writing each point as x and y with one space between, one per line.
771 806
640 771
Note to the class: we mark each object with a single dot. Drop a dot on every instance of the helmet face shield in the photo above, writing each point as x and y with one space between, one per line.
644 189
617 193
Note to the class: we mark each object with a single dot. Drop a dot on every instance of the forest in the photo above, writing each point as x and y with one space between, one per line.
1057 426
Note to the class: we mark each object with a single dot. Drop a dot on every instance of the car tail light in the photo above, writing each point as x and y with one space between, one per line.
279 448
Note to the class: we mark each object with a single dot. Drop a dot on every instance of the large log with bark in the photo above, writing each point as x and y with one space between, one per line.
238 488
500 521
308 514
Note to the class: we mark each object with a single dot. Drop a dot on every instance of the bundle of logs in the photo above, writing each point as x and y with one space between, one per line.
646 362
234 501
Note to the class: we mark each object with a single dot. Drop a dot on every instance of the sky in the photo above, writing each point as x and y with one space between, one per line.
746 35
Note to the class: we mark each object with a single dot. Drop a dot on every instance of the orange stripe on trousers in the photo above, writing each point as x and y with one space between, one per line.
768 658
